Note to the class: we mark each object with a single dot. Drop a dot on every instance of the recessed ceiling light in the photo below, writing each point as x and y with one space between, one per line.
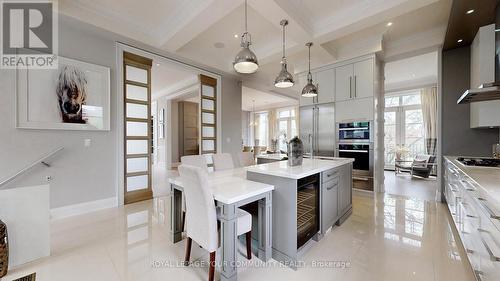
389 24
157 64
460 40
236 36
470 11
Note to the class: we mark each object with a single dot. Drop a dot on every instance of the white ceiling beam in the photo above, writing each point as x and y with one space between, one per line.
297 30
364 15
176 33
340 24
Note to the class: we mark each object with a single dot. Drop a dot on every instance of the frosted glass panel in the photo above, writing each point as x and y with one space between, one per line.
137 146
209 158
139 129
207 91
137 165
136 183
207 104
207 118
137 110
208 145
208 132
137 92
136 74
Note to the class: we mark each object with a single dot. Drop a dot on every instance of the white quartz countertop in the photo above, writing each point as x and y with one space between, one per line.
230 186
308 167
275 156
487 178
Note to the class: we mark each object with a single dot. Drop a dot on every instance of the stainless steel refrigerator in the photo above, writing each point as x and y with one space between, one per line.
317 129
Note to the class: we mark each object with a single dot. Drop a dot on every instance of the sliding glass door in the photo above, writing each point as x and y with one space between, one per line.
404 127
138 134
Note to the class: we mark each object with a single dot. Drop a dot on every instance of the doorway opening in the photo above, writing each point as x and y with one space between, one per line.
410 127
169 110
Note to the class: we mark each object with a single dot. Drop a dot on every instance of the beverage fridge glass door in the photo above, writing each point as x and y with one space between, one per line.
307 117
325 131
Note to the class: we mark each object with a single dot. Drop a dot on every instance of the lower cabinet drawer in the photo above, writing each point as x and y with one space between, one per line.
329 175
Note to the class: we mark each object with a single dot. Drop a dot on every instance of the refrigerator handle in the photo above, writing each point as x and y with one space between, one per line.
316 148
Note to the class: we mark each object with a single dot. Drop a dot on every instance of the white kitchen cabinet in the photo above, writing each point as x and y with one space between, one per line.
326 85
363 79
354 80
354 109
483 114
343 82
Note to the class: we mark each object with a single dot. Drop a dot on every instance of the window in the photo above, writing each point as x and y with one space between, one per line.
262 128
404 127
287 126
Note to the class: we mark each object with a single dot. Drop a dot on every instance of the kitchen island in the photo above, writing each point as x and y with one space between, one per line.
307 201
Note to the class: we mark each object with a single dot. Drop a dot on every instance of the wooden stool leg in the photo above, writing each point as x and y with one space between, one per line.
188 251
211 269
249 244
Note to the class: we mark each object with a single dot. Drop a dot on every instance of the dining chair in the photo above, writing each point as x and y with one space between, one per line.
246 159
195 160
223 161
201 220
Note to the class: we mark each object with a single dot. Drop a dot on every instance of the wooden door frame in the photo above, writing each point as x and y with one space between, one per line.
120 117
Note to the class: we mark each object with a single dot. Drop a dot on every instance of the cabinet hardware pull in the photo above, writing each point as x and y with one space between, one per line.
488 249
482 202
335 185
350 87
355 86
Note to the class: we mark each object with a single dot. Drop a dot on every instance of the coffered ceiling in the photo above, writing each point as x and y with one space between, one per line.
204 30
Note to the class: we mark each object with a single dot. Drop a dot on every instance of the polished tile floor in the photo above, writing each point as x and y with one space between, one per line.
386 238
406 185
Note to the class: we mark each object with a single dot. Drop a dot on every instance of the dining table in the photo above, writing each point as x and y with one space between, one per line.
230 190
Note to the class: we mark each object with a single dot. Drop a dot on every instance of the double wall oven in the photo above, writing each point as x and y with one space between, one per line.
355 140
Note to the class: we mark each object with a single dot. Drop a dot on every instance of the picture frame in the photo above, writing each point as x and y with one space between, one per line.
76 96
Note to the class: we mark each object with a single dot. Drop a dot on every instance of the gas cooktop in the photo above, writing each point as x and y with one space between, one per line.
480 162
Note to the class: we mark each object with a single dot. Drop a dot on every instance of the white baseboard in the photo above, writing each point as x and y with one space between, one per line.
82 208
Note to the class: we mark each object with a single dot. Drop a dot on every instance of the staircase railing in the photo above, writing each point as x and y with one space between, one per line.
41 160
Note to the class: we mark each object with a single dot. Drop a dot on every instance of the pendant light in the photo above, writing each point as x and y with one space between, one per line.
246 60
284 79
309 90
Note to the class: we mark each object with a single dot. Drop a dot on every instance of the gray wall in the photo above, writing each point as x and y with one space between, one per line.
83 174
231 116
79 173
458 137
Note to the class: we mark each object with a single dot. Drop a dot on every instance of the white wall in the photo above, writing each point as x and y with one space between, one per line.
79 174
231 116
83 174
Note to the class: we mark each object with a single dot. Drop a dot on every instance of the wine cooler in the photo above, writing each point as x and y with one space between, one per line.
307 208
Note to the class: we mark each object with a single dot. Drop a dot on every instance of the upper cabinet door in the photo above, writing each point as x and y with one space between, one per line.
363 79
326 85
344 82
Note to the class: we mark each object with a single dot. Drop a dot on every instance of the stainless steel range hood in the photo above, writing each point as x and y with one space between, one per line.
490 91
485 92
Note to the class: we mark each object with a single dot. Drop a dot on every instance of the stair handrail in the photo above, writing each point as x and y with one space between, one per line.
40 160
